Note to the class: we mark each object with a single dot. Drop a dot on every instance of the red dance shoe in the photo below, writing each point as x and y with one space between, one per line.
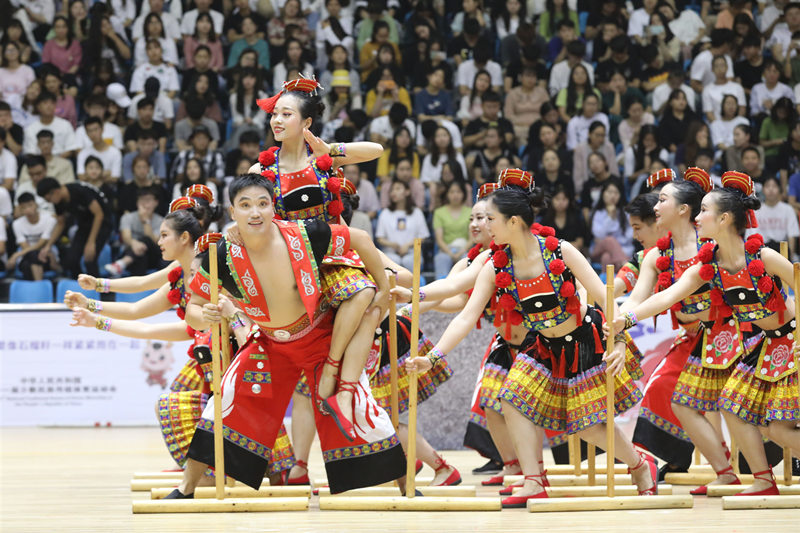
703 491
418 466
453 479
498 480
331 407
520 502
509 490
646 460
302 480
770 491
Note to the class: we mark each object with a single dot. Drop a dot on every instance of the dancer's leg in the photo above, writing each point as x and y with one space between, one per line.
786 433
303 431
527 439
748 439
623 450
704 435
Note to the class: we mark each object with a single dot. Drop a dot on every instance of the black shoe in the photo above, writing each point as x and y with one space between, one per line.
178 495
795 466
490 467
668 468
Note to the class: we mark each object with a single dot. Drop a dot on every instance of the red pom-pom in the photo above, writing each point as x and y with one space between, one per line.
663 243
270 175
493 246
547 231
474 252
507 302
756 268
536 228
567 289
765 284
267 157
677 307
503 279
665 279
334 185
551 243
706 253
174 296
752 246
175 274
706 272
557 267
500 259
324 163
335 208
181 313
716 297
662 263
515 317
756 237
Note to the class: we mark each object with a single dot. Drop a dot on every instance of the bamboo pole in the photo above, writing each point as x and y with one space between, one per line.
696 456
590 458
761 502
219 457
610 383
787 454
576 453
411 448
394 402
609 504
284 491
716 491
735 456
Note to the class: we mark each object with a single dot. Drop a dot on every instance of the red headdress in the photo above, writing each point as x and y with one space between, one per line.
200 191
201 244
664 175
347 187
700 177
741 182
182 202
306 85
486 189
515 176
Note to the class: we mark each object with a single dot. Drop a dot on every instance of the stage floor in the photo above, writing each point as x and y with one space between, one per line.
78 479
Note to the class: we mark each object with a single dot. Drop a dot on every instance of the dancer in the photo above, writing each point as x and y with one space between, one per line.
292 335
671 420
746 280
642 219
301 172
560 382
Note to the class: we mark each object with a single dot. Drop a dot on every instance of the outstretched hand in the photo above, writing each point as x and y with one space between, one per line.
82 317
418 365
619 325
317 145
75 299
87 282
402 294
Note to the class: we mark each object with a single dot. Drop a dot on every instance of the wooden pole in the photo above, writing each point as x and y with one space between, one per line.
411 448
394 402
219 457
610 383
787 452
735 456
590 459
575 456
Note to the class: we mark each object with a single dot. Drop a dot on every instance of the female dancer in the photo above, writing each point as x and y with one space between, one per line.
560 383
747 283
301 170
669 423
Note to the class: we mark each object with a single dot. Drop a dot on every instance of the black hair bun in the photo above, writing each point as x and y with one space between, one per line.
538 199
751 202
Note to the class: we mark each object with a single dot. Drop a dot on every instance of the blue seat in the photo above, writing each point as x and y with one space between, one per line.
65 285
31 292
103 259
132 297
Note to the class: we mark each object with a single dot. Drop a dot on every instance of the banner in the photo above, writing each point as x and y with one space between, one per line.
54 374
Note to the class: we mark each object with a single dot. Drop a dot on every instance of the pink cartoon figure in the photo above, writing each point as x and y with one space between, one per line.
157 359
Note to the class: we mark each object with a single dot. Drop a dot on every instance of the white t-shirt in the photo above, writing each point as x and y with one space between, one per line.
722 130
661 95
465 75
32 233
166 74
578 128
455 133
111 158
640 19
168 49
400 227
701 68
64 139
8 165
776 223
761 92
171 27
163 110
112 135
433 173
383 127
559 76
6 207
686 26
190 19
714 94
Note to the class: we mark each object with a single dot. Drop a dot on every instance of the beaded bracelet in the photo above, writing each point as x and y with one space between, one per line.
102 285
435 355
620 337
421 295
404 311
237 322
94 305
337 150
102 323
630 319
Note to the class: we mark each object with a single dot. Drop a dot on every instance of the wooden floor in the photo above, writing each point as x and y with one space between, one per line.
59 480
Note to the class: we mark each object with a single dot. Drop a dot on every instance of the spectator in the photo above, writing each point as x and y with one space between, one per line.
656 68
369 203
640 21
16 76
636 118
15 33
702 73
451 228
698 137
154 29
471 106
399 225
143 178
404 171
659 35
607 29
401 147
382 129
63 50
600 173
482 162
523 103
749 69
251 40
90 210
563 215
722 127
94 173
561 73
557 45
714 92
32 230
96 105
33 171
195 118
291 15
753 167
388 91
201 90
63 134
293 59
434 101
597 143
529 57
742 138
783 35
8 164
155 67
427 129
553 176
470 10
194 173
110 156
766 93
212 162
620 60
775 130
124 15
104 43
475 132
379 51
57 166
512 13
172 28
65 103
440 150
139 232
339 60
639 158
245 113
674 125
578 125
249 147
204 37
570 99
661 94
336 30
145 114
612 235
555 11
481 60
777 220
233 22
546 139
789 156
190 18
462 46
617 100
14 134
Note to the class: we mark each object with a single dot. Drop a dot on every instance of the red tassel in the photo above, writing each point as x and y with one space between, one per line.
574 367
752 221
598 342
675 324
776 303
508 328
268 104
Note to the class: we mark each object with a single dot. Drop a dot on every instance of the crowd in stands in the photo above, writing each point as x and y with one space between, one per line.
110 109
